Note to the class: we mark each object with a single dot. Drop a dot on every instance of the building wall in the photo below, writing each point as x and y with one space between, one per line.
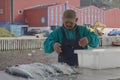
5 16
55 14
36 17
93 14
113 18
52 15
4 10
90 15
87 15
31 3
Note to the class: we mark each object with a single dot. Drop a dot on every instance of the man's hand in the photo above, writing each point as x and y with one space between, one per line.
83 41
57 47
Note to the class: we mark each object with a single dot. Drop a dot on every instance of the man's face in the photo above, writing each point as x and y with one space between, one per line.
70 24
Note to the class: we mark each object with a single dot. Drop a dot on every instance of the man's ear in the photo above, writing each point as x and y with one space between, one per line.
76 19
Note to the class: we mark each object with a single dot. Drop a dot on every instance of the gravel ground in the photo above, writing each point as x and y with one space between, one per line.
10 58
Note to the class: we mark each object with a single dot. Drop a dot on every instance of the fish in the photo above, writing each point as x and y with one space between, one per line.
41 70
18 72
63 68
47 68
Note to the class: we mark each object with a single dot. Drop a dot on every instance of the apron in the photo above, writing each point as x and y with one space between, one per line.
68 46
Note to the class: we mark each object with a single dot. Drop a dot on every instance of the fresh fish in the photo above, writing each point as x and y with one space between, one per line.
63 68
46 68
41 70
18 72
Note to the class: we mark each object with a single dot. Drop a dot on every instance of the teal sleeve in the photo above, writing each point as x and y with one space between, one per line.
92 37
49 42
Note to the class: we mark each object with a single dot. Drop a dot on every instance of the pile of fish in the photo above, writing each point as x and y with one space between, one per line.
40 70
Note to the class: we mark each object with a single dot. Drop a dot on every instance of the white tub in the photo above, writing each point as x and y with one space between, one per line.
99 58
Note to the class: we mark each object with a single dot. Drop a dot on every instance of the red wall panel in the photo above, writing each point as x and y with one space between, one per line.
22 4
5 6
113 18
34 17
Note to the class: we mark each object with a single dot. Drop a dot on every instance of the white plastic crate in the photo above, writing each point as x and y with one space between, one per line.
107 40
99 58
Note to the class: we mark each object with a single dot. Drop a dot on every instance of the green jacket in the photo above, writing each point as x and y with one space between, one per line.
56 36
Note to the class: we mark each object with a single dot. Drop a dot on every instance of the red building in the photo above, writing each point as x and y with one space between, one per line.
13 9
41 13
89 15
5 10
92 14
113 18
52 15
46 15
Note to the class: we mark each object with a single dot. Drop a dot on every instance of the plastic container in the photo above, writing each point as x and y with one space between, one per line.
18 30
99 58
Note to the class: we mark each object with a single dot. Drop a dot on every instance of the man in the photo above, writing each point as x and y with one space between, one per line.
68 37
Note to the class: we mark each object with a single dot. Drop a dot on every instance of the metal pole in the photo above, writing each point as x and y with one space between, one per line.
12 12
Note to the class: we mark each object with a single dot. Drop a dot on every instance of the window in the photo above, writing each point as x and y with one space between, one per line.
42 20
1 11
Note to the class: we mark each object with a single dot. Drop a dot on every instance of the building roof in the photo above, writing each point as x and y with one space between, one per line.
41 6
